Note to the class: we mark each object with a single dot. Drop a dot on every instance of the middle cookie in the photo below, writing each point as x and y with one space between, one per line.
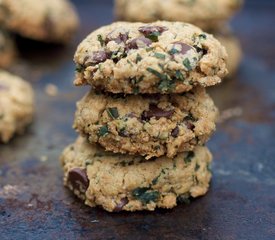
148 125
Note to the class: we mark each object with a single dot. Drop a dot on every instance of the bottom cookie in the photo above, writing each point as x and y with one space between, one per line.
119 182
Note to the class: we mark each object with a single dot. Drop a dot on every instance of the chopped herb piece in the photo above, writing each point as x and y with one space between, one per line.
145 195
159 55
136 90
186 62
173 51
100 39
113 113
183 199
197 167
138 58
129 62
155 180
103 131
189 157
179 75
202 36
79 68
149 49
156 73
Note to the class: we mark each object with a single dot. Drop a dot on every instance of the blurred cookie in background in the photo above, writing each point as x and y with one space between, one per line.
7 49
53 21
16 105
206 14
233 48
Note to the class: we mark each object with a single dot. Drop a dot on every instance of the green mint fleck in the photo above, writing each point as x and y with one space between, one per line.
136 90
179 75
138 58
145 195
103 131
149 49
155 180
129 62
189 157
159 55
197 167
186 63
203 36
154 36
173 51
113 113
100 39
79 68
156 73
185 198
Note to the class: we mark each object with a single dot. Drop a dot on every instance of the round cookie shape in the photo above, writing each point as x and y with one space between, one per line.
234 49
16 105
53 21
148 125
137 184
7 49
207 14
160 57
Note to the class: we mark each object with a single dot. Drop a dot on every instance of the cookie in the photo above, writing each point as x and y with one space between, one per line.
49 21
16 105
162 57
207 14
148 125
121 182
233 47
7 49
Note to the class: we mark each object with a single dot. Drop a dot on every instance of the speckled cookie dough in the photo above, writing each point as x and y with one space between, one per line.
121 182
233 47
7 49
50 21
160 57
16 105
148 125
206 14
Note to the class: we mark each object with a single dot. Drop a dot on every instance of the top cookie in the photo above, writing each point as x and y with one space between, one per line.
207 14
161 57
50 21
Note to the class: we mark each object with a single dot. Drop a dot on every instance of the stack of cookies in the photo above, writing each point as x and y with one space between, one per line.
145 121
210 15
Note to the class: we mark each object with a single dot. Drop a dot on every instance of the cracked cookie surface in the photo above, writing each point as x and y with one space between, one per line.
207 14
149 125
160 57
119 182
16 105
50 21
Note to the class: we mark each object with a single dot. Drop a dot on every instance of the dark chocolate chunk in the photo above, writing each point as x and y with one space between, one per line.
155 111
175 132
97 57
180 48
146 30
138 43
119 206
122 37
78 178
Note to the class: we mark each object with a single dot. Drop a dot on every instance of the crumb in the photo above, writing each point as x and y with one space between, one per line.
43 158
51 90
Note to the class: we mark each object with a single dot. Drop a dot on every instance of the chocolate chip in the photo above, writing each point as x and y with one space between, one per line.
155 111
201 50
147 30
121 38
78 178
119 206
180 48
139 42
189 125
175 132
97 57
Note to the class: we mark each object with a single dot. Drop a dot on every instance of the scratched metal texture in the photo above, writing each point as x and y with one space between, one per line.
241 201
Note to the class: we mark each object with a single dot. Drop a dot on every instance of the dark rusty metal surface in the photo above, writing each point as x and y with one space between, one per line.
241 202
